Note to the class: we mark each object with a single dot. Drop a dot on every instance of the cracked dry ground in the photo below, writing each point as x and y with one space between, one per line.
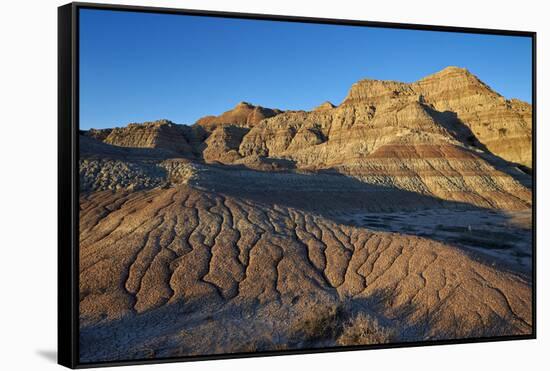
181 271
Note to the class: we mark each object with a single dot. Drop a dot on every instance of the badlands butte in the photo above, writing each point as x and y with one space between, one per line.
401 214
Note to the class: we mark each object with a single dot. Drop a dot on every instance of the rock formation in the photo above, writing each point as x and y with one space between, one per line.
244 114
401 143
223 143
324 106
503 126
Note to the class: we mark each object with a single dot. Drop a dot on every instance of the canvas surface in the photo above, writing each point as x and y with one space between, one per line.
400 213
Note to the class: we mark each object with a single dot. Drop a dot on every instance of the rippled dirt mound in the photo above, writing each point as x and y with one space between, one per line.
180 271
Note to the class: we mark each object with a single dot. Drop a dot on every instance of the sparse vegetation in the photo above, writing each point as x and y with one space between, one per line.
364 329
320 326
341 325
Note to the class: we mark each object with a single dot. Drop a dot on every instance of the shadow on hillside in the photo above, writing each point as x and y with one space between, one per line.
91 148
326 192
461 132
491 232
214 326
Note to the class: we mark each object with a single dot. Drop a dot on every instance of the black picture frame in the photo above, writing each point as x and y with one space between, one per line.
68 179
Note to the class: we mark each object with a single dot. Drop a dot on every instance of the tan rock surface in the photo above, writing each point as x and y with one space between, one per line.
503 126
243 114
178 140
324 106
223 144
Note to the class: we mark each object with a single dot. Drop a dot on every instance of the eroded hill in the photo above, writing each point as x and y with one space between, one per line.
174 272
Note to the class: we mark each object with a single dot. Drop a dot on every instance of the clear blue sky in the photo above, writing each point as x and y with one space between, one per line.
138 67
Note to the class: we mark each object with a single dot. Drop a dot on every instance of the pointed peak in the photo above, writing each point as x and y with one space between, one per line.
244 104
451 72
243 114
455 69
456 77
324 106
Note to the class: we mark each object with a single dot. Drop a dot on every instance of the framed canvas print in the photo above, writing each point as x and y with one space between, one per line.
237 185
